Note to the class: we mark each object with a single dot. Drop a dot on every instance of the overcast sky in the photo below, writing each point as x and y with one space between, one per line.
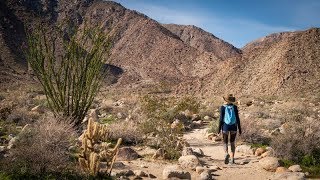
235 21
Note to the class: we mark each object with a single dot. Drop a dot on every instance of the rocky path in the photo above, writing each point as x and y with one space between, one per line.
214 155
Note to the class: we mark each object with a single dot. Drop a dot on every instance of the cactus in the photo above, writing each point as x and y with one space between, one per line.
94 150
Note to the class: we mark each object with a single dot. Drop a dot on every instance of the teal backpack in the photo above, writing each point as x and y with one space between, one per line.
229 115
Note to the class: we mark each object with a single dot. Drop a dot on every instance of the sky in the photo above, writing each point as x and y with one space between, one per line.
235 21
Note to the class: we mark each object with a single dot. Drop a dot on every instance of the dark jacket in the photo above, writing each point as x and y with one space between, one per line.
225 127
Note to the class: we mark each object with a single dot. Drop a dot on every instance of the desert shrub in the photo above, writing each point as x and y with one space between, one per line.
42 148
213 126
300 143
252 133
129 131
71 77
158 116
188 103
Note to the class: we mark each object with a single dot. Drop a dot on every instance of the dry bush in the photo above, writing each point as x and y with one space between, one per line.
127 130
252 133
43 147
300 142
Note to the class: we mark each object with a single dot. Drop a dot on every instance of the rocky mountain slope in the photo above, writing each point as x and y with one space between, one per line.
280 64
190 60
203 41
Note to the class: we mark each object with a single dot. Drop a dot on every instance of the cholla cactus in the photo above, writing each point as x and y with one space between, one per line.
94 150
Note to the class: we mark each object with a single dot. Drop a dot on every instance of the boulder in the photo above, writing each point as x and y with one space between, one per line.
282 170
295 168
259 151
289 175
205 175
246 149
127 154
189 161
269 163
174 171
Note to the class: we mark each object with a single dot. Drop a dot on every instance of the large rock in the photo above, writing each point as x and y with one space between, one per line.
189 161
289 176
269 163
246 149
175 171
127 154
295 168
267 154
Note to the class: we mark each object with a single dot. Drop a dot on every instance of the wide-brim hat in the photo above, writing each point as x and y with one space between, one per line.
229 98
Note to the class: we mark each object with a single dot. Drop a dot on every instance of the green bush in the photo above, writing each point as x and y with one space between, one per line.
159 114
68 67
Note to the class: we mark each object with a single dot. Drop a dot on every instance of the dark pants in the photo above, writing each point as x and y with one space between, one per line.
233 135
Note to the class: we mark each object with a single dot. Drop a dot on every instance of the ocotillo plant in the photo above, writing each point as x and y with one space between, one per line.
69 68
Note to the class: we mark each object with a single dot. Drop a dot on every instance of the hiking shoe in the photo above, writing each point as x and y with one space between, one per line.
226 158
231 162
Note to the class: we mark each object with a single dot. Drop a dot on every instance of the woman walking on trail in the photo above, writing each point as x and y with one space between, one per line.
229 124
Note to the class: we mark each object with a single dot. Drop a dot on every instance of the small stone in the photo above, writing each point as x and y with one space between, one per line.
214 168
282 170
12 143
200 169
205 175
152 176
259 151
266 154
2 149
127 154
175 171
126 172
143 166
189 161
295 168
118 165
218 138
206 118
140 173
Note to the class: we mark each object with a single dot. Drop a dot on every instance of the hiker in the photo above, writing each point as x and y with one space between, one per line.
229 123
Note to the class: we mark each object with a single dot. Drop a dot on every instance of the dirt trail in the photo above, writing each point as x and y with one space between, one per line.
214 155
